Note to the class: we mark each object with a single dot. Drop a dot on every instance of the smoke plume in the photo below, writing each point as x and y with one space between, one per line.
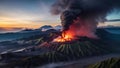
83 15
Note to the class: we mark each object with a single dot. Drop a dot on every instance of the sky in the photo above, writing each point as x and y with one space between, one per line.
16 14
26 13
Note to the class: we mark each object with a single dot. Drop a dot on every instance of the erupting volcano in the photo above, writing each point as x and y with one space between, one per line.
77 39
74 26
81 17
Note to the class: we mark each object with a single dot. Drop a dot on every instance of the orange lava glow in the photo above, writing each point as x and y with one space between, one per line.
66 36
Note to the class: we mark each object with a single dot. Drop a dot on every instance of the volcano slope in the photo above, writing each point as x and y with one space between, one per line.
110 63
50 52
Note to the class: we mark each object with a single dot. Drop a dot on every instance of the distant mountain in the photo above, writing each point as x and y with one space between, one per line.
58 27
26 30
45 27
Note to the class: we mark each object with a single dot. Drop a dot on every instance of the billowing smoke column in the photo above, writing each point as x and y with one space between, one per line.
82 16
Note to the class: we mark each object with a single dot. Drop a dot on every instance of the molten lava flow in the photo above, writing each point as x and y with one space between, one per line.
66 36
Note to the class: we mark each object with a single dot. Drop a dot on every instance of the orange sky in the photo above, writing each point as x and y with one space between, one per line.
22 25
9 22
19 25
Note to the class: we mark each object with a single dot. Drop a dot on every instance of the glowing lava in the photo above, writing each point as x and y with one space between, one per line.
66 36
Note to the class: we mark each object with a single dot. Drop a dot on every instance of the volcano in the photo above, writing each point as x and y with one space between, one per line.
51 52
77 39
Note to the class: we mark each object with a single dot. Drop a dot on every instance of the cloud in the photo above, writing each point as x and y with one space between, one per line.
113 20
